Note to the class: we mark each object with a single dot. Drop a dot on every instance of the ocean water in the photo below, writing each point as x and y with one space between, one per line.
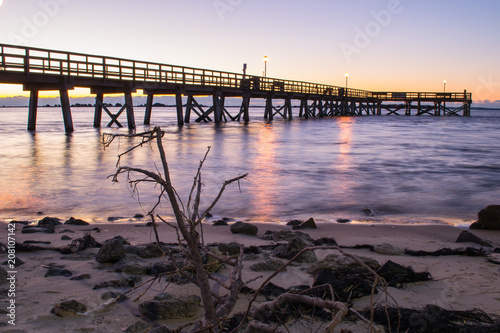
402 169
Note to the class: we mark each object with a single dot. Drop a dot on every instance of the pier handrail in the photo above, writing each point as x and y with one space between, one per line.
31 60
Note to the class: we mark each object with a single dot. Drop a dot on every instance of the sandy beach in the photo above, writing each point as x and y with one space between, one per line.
458 282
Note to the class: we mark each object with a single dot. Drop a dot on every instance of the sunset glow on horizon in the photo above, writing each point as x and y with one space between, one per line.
385 45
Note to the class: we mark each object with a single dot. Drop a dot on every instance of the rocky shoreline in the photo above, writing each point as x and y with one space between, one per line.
77 277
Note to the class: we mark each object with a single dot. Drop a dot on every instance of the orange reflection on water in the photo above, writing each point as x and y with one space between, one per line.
265 177
344 161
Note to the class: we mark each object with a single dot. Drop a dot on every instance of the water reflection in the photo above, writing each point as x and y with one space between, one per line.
265 179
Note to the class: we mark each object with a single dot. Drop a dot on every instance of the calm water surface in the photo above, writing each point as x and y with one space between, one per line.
418 169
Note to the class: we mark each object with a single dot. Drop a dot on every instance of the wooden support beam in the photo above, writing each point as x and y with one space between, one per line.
320 108
129 106
33 108
189 107
66 111
408 108
149 109
98 110
178 103
288 108
245 108
217 105
303 107
268 113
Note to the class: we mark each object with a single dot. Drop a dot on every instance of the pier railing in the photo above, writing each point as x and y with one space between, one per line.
50 62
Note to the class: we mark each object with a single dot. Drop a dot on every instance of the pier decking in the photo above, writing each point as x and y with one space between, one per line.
42 69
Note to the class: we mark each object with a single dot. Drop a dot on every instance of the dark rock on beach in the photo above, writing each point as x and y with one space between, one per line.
69 309
325 241
232 248
343 220
53 221
65 237
309 224
31 229
268 265
111 251
17 262
220 223
73 221
244 228
132 264
57 270
488 218
396 274
166 306
285 235
468 237
293 247
294 223
81 277
128 282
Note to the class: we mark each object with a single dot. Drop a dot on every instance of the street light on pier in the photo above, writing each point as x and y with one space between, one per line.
346 78
444 82
266 58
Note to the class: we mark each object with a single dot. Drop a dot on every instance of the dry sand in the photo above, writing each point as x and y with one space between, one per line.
459 282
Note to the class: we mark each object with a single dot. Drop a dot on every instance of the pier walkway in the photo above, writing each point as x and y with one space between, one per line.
48 70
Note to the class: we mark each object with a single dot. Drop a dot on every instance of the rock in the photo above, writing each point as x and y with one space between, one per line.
268 265
73 221
57 270
369 212
488 218
64 237
36 242
468 237
396 274
20 222
325 241
252 249
110 294
122 240
343 220
220 222
31 229
142 327
166 306
293 247
309 224
388 249
3 276
294 223
17 262
163 267
344 265
230 248
132 264
138 216
69 309
111 251
122 283
81 277
79 256
244 228
285 235
53 221
346 285
151 250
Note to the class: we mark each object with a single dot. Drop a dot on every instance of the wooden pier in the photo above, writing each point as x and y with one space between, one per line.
41 70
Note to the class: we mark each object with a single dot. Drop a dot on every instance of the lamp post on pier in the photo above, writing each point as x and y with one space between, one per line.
266 58
346 80
444 82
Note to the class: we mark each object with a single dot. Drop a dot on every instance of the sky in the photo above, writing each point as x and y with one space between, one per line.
384 45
